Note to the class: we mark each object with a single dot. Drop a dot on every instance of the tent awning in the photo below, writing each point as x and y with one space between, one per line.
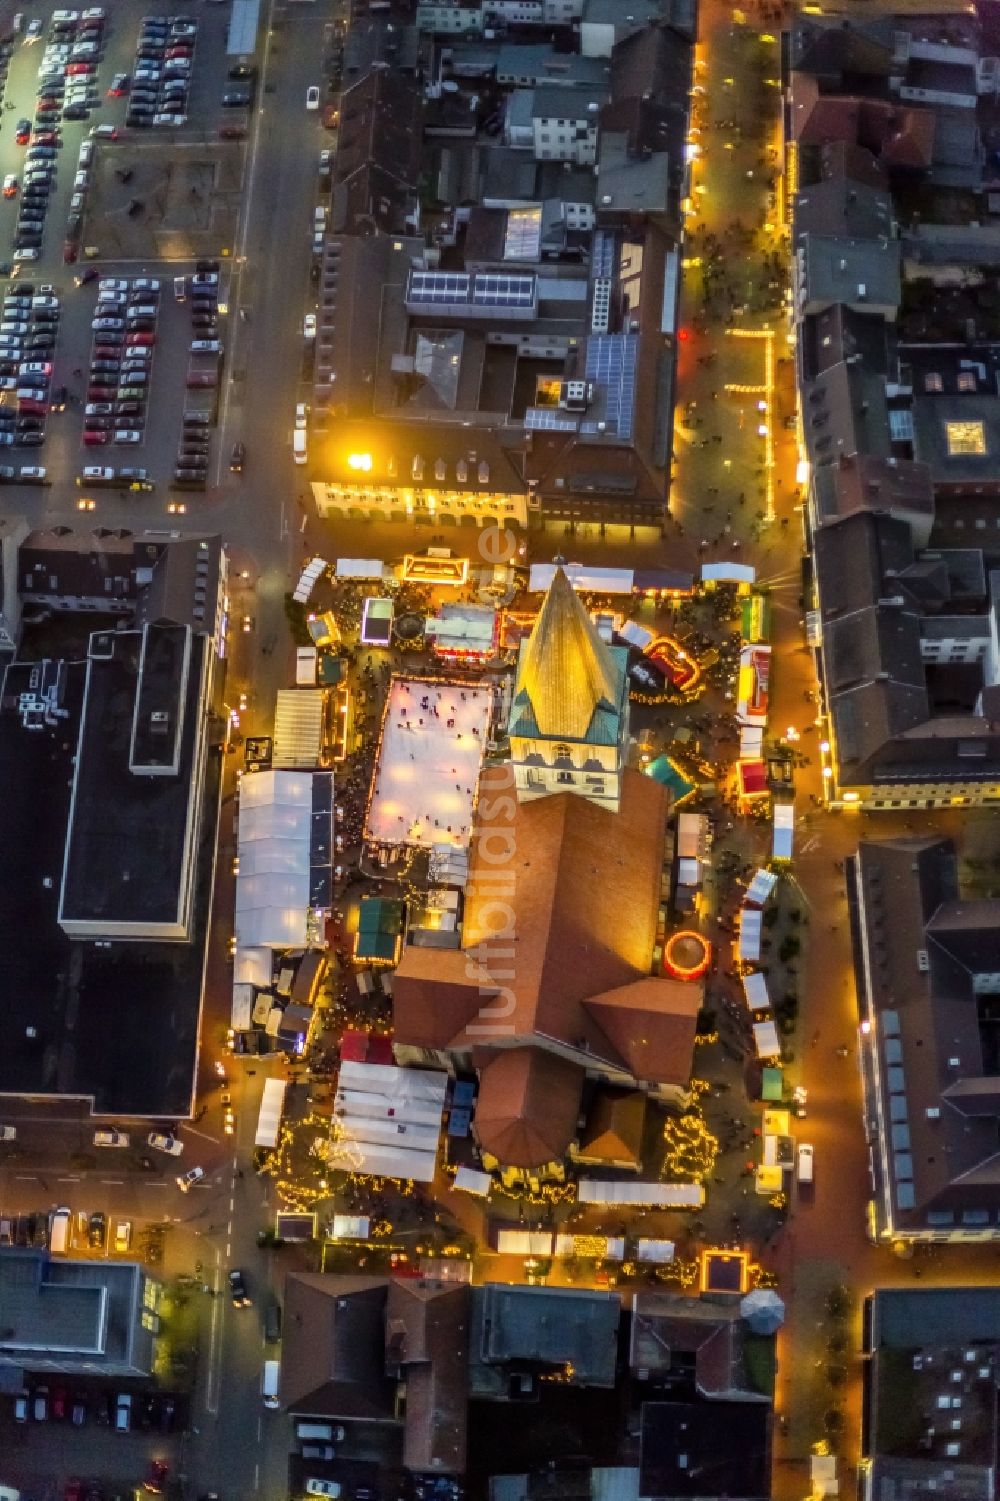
664 1195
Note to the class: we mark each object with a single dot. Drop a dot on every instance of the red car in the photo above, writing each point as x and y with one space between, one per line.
100 393
59 1404
70 251
45 138
141 341
23 132
181 50
28 406
47 104
94 440
80 70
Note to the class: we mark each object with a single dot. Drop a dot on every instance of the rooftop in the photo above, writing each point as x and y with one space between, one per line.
70 1316
126 865
118 1025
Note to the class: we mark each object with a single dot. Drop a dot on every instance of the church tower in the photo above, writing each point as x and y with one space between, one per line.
568 724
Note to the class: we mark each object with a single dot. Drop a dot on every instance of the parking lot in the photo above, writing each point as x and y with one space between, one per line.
116 178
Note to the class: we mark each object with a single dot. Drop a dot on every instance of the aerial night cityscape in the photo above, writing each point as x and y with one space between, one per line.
500 750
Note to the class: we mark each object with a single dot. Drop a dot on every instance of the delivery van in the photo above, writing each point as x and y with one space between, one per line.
299 452
59 1232
269 1383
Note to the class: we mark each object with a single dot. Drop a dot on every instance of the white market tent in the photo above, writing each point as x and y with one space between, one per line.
692 835
389 1120
766 1041
308 578
241 1012
751 742
473 1181
600 580
635 634
784 824
298 728
349 1227
760 888
727 573
524 1242
254 967
663 1195
756 992
654 1250
750 934
271 1105
359 568
272 884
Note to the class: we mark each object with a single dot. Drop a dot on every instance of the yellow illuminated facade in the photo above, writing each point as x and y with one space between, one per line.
388 502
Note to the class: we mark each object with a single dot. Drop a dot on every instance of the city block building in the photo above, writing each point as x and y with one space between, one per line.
928 962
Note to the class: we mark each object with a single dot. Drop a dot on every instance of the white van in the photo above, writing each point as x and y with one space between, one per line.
299 453
269 1383
321 1431
805 1162
59 1232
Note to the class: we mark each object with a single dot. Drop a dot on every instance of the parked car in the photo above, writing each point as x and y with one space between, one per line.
162 1142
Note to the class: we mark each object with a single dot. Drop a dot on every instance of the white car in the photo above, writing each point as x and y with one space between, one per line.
174 120
329 1488
86 153
34 30
127 435
81 180
36 367
162 1143
101 472
312 102
112 324
32 474
301 416
190 1178
9 185
309 326
206 346
110 284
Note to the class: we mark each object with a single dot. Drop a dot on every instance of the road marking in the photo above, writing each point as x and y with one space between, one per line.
69 1180
195 1132
109 1181
214 1349
229 1250
27 1178
239 259
232 1202
256 1476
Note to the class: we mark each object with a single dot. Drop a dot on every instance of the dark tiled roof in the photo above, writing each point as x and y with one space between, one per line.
333 1348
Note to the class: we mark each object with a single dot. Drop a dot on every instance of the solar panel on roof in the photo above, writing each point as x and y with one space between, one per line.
503 291
438 286
603 263
611 364
549 419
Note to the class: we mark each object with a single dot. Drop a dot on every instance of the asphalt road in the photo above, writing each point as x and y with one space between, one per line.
234 1446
